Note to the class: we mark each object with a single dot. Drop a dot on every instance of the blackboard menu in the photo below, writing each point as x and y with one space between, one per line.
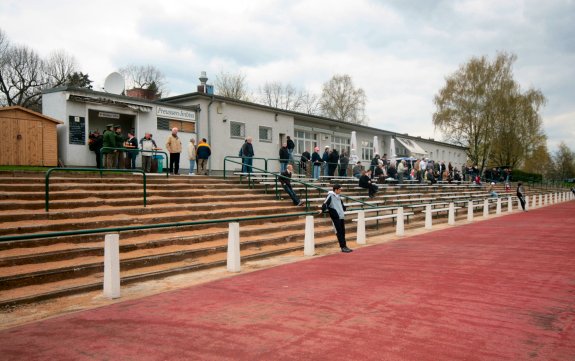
77 130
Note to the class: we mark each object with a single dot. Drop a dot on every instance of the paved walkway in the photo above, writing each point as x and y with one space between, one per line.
502 289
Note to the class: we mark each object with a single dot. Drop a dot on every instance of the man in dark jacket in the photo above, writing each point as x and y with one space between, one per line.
247 155
325 159
333 159
365 182
374 163
286 184
305 158
203 153
290 148
316 161
284 157
95 144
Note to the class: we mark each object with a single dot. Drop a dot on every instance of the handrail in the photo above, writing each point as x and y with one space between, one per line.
136 150
49 171
149 226
238 157
305 184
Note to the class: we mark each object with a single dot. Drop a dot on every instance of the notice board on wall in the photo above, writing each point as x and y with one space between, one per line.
77 130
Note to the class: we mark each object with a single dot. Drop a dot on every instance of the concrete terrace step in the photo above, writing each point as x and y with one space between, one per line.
50 290
120 220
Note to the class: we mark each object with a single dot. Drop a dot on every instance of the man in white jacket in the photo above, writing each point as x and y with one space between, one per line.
334 205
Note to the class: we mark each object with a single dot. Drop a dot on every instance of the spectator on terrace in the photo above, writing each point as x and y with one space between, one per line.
343 164
317 162
203 154
333 159
286 184
284 157
290 147
357 169
325 160
491 190
365 181
401 171
305 158
147 143
521 195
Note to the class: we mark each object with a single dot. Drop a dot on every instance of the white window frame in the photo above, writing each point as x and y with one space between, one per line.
242 130
269 130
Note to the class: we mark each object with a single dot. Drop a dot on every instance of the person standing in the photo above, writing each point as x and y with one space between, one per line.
290 147
120 156
343 164
284 157
400 171
192 155
132 143
325 160
174 147
286 184
95 144
334 205
147 144
521 195
109 141
247 155
203 154
305 158
333 159
316 161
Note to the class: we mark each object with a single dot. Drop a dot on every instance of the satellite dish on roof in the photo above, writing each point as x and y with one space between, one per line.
114 83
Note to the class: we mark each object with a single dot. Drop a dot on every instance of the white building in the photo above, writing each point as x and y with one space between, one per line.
225 123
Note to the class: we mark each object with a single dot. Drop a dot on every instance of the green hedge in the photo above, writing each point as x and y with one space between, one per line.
519 175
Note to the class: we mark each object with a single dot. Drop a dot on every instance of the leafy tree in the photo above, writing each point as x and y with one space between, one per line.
539 162
342 101
144 77
231 86
564 162
79 80
482 107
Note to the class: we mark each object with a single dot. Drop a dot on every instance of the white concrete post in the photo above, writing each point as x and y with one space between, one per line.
518 204
486 208
540 200
361 227
112 265
399 228
309 240
470 211
498 209
556 198
526 203
234 261
509 205
428 219
546 200
534 201
451 214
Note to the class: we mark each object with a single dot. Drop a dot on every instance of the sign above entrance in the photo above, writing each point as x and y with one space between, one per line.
109 115
176 113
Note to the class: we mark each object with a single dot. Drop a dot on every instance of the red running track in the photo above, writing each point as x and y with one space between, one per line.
502 289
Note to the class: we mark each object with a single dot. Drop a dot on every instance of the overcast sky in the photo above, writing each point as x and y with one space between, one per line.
398 51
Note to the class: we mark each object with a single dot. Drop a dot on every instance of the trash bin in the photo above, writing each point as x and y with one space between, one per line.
160 160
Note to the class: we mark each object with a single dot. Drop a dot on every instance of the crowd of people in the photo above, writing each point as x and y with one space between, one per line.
121 152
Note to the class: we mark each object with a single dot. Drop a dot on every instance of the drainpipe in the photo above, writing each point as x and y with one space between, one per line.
210 129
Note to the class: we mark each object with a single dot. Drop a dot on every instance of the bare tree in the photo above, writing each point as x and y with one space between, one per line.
277 95
144 77
22 77
232 86
59 66
342 101
310 104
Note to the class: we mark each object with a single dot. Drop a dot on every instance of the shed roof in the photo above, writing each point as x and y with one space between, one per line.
39 115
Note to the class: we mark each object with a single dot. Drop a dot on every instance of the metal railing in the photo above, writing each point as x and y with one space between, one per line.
243 163
139 151
149 226
92 170
278 176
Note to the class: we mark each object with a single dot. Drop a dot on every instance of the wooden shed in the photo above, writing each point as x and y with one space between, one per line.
28 138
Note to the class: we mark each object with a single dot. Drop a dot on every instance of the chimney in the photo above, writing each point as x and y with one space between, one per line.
204 87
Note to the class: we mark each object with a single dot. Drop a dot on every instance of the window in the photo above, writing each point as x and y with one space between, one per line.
341 144
366 150
182 125
265 134
237 130
304 141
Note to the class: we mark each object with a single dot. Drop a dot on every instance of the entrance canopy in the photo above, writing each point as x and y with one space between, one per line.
414 149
